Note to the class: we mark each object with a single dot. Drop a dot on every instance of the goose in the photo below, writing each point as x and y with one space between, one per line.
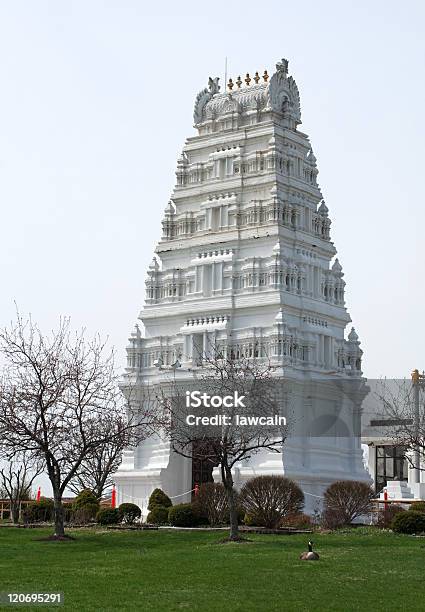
310 555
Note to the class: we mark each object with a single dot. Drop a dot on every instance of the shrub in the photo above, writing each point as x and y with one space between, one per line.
158 515
183 515
211 504
85 507
418 506
249 520
331 519
159 498
68 512
84 498
409 522
345 500
108 516
39 512
129 513
297 521
386 516
268 499
85 514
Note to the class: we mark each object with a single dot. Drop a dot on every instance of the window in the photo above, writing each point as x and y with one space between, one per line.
391 464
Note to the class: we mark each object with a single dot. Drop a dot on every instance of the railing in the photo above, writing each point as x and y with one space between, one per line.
5 507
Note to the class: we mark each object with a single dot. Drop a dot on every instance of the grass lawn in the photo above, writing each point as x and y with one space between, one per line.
170 570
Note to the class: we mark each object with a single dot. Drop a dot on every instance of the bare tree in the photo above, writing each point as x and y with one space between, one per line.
96 470
241 428
59 400
16 478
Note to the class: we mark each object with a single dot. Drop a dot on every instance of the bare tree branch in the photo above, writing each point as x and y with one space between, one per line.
59 400
17 476
239 434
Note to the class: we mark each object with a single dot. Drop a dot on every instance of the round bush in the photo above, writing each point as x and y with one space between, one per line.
108 516
418 506
158 516
268 499
409 522
85 507
84 497
39 512
129 513
345 500
183 515
159 498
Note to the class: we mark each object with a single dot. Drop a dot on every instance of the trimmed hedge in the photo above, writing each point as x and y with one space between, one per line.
409 522
85 514
129 513
158 515
108 516
39 512
68 512
418 506
183 515
159 498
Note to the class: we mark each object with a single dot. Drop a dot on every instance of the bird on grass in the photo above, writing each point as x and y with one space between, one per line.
310 555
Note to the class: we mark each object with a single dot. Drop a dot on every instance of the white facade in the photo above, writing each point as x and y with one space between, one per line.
246 260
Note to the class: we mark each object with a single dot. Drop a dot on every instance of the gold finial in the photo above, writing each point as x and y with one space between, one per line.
256 78
239 82
247 79
265 76
230 84
415 377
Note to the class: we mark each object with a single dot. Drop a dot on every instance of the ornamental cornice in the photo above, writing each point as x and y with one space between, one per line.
279 95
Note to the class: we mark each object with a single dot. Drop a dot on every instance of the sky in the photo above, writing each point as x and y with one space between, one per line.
97 100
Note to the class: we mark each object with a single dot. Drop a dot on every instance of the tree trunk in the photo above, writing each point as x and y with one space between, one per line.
58 514
14 512
227 478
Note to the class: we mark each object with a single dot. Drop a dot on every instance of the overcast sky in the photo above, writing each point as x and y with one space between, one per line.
97 100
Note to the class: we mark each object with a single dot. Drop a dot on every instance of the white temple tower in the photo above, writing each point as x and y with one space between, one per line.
246 259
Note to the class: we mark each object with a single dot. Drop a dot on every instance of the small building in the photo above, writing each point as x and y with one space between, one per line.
388 461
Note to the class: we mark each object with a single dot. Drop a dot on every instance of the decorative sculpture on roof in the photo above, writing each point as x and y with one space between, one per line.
213 85
204 97
283 92
282 68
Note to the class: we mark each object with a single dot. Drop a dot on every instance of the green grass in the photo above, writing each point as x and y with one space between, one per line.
359 569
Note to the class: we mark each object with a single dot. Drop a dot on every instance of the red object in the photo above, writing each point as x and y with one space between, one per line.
38 494
385 495
196 490
114 497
